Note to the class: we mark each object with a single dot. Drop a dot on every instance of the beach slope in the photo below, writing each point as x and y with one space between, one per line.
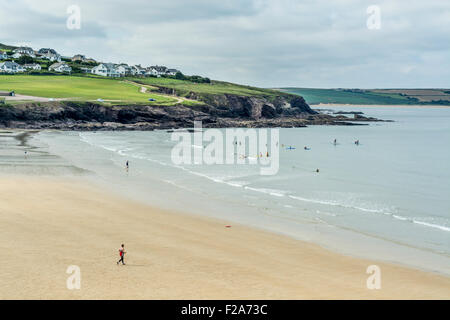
49 224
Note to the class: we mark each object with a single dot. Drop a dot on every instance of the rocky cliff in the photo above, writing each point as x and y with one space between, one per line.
217 111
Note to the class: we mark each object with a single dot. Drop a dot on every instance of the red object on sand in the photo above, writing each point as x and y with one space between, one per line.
227 226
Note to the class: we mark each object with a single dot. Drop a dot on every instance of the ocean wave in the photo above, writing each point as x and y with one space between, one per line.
272 192
432 225
422 223
338 204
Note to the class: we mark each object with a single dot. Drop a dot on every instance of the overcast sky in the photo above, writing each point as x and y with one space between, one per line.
270 43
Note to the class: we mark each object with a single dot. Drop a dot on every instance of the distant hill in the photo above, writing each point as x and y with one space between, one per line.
373 96
6 47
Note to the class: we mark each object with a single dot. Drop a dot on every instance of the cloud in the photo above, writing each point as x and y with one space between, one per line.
309 43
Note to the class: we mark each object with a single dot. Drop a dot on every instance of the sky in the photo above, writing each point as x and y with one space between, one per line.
267 43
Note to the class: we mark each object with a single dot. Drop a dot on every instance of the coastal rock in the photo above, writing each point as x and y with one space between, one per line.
223 111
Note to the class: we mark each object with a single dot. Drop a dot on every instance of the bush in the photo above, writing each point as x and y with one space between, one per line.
180 76
25 59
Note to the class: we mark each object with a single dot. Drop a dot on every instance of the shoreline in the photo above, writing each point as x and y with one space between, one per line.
54 222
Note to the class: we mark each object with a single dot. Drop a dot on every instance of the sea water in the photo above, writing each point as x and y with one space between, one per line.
387 198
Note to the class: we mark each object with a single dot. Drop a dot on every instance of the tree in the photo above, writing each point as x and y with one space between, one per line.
25 59
180 76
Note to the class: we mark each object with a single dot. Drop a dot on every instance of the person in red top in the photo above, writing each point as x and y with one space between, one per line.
122 254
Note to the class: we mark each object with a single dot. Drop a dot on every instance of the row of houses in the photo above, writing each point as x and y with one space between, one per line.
122 70
44 53
102 69
13 67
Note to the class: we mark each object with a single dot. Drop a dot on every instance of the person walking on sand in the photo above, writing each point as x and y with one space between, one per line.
122 254
127 165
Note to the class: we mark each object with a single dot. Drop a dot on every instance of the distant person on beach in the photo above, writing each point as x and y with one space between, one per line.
128 165
121 254
335 142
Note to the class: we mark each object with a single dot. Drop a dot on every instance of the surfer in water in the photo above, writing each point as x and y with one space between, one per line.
317 170
335 142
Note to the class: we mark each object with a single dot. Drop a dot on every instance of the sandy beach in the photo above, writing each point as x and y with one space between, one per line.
51 223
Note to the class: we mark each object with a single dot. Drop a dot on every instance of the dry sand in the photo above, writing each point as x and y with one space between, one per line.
48 224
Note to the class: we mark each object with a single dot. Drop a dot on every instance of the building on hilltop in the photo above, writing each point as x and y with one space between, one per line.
51 56
159 70
124 70
86 70
78 57
17 55
25 50
60 67
106 70
10 67
171 72
32 66
44 51
137 70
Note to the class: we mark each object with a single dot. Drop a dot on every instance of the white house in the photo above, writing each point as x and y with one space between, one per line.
137 70
43 51
124 70
3 55
150 71
32 66
17 55
10 67
106 70
160 70
86 70
60 67
25 50
52 57
171 72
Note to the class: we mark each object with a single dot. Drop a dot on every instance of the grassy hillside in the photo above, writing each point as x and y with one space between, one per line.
381 97
123 90
80 88
6 47
215 87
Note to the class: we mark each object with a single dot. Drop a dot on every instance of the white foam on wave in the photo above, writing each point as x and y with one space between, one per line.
431 225
336 203
272 192
422 223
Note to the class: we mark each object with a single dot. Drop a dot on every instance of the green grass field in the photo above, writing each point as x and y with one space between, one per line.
80 89
316 96
214 88
363 97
